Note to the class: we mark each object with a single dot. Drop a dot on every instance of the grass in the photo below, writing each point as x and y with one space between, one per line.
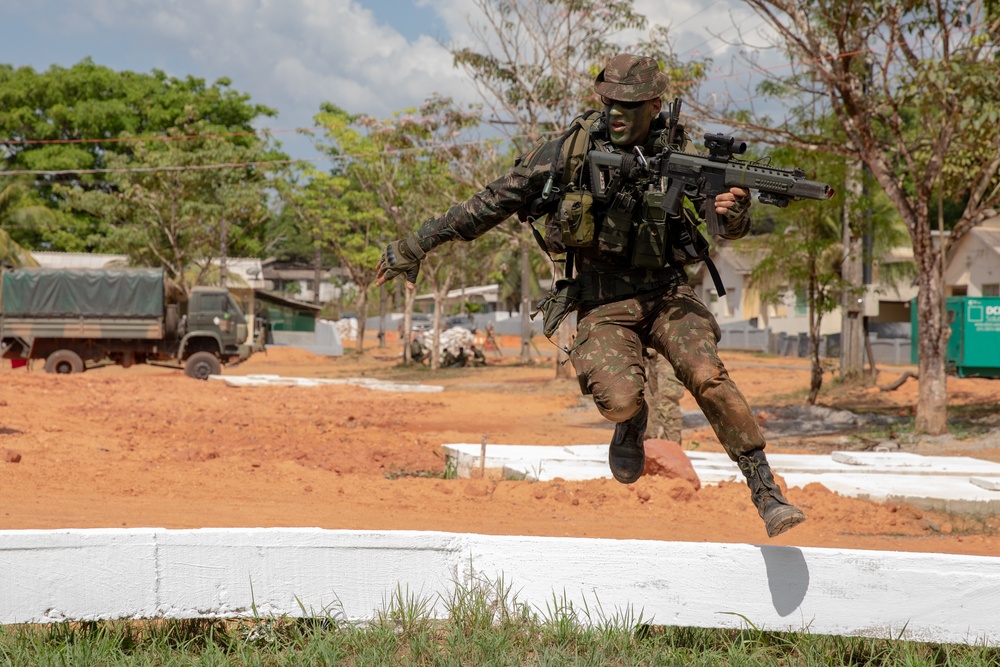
482 623
449 471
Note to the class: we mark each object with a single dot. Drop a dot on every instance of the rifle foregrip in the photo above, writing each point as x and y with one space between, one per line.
712 224
599 162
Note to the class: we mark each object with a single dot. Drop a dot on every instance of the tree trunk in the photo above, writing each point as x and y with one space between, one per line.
852 344
407 325
439 296
381 316
362 316
932 342
815 322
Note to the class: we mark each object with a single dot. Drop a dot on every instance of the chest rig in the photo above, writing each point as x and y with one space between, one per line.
601 213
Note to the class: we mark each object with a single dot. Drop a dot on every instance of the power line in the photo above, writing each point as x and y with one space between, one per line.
237 165
428 148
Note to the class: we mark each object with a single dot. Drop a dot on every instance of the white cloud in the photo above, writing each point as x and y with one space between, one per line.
292 55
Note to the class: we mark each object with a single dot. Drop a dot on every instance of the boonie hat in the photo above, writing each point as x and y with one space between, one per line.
631 78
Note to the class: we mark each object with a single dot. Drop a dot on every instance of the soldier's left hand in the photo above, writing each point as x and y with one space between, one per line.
400 258
726 201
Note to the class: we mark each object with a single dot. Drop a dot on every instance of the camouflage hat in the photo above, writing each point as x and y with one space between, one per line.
630 78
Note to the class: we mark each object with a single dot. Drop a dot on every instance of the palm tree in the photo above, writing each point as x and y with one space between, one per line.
13 212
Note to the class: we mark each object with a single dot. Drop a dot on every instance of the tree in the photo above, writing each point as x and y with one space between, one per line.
16 210
405 169
535 65
88 117
161 207
334 211
912 84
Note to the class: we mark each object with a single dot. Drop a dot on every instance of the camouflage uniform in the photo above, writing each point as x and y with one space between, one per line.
663 393
622 310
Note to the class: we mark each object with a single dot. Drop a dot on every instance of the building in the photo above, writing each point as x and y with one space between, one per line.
485 296
298 280
973 264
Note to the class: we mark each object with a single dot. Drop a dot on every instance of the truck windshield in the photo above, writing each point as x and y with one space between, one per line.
232 307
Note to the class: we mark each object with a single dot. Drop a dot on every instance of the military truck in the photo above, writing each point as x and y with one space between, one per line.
73 318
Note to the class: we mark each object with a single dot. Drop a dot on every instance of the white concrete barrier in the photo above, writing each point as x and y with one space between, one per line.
943 483
157 573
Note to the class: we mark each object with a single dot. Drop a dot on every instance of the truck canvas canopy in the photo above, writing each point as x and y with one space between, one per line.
118 293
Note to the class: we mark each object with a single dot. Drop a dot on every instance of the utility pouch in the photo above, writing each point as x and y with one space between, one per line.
616 228
553 241
559 303
650 249
575 217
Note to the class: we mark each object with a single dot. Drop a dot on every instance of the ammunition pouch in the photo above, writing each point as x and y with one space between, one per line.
559 303
616 228
650 248
575 218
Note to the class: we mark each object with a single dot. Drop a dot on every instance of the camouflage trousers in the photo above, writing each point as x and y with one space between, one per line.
663 394
607 355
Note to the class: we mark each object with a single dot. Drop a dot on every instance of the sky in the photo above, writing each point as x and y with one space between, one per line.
374 57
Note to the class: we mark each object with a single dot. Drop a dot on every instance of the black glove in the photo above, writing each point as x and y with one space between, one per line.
401 257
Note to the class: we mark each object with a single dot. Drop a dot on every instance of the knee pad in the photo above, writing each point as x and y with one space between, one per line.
619 401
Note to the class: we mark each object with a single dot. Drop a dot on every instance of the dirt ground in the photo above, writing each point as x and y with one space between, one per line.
148 446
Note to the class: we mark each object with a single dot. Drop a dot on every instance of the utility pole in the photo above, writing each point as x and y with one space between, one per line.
851 324
223 251
857 268
317 267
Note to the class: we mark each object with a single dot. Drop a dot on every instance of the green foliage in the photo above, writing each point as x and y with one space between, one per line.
89 117
162 209
17 210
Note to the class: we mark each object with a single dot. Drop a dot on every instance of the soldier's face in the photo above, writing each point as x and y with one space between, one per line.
628 122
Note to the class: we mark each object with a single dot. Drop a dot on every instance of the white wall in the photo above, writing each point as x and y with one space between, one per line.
94 574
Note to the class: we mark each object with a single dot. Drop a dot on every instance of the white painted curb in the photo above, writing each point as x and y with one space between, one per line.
94 574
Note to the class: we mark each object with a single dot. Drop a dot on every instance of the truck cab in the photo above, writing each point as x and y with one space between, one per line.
212 330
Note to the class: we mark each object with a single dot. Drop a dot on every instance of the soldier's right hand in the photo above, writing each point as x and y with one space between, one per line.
400 257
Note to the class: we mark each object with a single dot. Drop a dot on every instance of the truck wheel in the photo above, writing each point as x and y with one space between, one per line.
64 361
202 364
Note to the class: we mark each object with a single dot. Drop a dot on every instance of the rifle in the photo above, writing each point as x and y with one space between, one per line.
708 175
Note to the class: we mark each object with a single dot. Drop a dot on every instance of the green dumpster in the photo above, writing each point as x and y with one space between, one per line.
974 342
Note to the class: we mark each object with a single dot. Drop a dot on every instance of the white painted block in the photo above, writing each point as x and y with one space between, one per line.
298 571
57 575
988 483
281 381
895 459
146 573
923 597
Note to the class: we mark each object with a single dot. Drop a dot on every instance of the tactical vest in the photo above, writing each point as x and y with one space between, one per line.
629 224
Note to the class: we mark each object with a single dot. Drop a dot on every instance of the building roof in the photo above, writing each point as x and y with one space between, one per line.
78 260
282 300
247 268
487 292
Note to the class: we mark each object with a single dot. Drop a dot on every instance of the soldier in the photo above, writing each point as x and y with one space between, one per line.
663 394
478 358
623 304
418 352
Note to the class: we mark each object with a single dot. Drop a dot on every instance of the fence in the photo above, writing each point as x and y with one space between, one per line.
744 336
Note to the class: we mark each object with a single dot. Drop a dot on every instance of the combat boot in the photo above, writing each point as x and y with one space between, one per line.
626 456
778 514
